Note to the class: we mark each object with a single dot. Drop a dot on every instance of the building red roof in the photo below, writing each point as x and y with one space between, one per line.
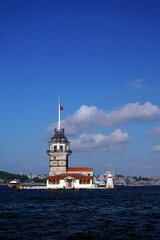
79 169
73 175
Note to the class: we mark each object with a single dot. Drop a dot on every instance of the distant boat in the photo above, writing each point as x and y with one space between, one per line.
13 185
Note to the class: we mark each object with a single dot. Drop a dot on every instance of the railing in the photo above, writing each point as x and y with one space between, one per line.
59 151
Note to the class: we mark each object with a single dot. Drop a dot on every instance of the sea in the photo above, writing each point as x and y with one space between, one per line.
126 213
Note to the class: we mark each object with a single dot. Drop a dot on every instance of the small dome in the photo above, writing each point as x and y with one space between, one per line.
59 136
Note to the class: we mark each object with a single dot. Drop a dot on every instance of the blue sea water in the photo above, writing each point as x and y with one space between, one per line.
126 213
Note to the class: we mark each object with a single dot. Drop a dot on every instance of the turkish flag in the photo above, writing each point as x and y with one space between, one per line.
61 108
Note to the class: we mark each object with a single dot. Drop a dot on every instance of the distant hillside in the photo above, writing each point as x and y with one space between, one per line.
11 176
6 177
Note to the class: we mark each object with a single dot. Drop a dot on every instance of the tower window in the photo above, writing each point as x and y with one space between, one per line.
61 148
55 148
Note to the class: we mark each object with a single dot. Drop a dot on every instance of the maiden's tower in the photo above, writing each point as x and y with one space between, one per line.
60 175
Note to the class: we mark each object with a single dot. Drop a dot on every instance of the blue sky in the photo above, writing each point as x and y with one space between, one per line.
102 58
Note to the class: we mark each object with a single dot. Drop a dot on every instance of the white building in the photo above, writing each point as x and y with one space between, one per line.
69 181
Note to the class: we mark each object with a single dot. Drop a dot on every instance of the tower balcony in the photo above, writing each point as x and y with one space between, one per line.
59 152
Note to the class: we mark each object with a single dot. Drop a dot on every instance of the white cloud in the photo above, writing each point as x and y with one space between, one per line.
137 84
132 112
155 132
114 142
156 148
86 117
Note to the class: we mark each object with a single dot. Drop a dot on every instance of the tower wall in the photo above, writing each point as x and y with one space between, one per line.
58 153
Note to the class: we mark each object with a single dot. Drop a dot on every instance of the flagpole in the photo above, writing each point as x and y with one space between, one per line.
59 117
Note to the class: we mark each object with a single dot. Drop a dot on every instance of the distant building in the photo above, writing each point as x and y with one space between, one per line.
60 175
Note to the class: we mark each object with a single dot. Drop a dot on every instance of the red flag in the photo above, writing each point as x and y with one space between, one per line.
61 108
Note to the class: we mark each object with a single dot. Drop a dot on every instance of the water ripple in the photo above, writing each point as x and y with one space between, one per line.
129 213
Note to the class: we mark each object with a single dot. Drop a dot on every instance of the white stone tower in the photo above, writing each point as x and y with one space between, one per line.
58 150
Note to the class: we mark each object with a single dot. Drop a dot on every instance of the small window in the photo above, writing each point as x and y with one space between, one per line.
55 148
61 148
88 181
80 181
